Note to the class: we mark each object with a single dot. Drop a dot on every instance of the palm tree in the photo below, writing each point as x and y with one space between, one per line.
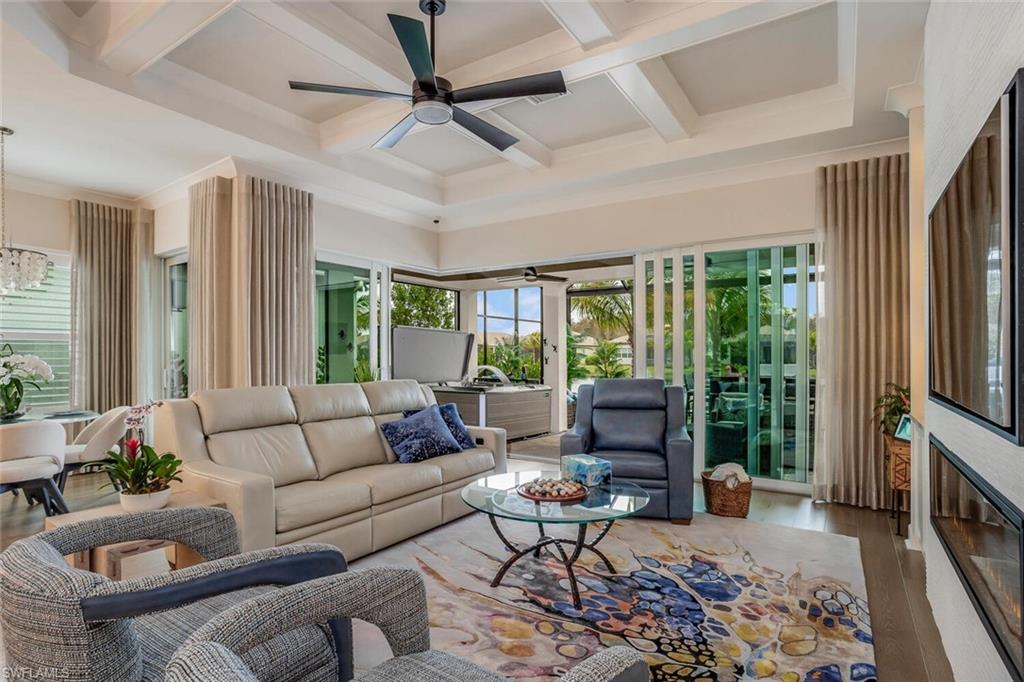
612 313
604 362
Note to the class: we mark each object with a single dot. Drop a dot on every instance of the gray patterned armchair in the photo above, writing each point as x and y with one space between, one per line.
62 623
393 599
639 426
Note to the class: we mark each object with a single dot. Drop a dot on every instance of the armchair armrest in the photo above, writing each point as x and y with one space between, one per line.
111 600
578 441
207 662
393 599
614 664
209 531
494 440
249 496
679 458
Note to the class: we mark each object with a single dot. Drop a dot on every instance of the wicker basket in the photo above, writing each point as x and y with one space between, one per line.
721 500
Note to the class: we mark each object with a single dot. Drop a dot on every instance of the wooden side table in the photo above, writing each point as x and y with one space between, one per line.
898 456
106 560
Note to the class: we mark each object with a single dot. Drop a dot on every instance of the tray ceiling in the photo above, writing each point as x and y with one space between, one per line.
659 92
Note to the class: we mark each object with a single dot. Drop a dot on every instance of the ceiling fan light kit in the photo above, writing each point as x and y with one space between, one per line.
433 99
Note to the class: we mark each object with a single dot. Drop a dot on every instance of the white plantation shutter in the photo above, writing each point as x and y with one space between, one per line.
38 322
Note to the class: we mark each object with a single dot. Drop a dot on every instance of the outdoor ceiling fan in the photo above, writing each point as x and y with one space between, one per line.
433 100
530 275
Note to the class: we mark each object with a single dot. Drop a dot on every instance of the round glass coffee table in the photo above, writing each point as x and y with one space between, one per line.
496 496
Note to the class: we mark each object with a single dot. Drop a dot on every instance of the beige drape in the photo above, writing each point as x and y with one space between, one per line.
251 284
112 270
210 304
278 224
960 246
864 339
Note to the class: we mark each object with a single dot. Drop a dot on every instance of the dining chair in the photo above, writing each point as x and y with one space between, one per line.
92 444
31 455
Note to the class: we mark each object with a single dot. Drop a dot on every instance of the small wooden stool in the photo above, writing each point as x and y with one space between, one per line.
106 560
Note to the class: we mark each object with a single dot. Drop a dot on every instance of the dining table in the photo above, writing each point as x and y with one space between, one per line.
60 417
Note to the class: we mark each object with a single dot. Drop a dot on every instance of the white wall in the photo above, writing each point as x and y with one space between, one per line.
971 52
753 209
352 233
38 221
338 229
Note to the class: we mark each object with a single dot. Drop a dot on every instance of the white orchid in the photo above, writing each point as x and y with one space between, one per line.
16 370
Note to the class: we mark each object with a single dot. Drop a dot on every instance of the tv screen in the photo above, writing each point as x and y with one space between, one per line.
973 240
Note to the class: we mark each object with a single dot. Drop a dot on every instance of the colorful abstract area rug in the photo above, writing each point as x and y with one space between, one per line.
722 599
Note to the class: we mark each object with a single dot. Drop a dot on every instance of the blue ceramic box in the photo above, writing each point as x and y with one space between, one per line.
586 469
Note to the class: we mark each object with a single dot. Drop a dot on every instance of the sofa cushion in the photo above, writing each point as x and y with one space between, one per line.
276 451
303 504
342 444
460 465
391 481
421 436
453 420
632 394
635 463
394 396
234 409
319 402
617 429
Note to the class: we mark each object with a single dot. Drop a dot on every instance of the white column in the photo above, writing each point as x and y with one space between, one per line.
640 315
918 330
555 371
699 361
658 327
467 323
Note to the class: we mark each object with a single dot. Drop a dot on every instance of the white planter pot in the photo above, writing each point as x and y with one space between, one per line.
145 502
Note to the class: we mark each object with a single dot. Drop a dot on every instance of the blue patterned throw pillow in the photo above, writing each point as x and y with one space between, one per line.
450 415
421 436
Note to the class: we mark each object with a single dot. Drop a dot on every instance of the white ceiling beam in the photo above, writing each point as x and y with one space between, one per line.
333 33
558 51
658 97
528 153
153 30
583 20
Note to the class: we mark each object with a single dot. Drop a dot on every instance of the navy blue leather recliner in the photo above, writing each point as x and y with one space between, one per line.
639 426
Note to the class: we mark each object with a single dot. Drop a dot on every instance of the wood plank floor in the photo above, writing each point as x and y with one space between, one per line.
907 644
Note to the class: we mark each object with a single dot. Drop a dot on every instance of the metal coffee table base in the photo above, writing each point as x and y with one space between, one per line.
547 542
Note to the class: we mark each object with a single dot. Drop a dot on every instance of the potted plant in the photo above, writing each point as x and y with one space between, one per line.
17 371
889 408
141 477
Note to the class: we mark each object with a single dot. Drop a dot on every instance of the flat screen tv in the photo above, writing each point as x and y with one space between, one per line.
976 261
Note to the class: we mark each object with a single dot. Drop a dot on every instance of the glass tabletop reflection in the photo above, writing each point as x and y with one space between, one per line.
496 495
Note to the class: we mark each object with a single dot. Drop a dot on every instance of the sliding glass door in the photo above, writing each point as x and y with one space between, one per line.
737 329
342 324
760 313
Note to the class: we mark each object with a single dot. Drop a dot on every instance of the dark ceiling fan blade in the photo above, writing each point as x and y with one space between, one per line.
496 137
538 84
344 90
413 39
392 137
508 279
552 278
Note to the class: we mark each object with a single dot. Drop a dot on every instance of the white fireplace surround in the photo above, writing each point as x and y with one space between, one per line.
972 51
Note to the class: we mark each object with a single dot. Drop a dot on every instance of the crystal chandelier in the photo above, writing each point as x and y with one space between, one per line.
19 268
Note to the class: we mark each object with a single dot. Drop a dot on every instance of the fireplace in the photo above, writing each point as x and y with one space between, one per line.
982 533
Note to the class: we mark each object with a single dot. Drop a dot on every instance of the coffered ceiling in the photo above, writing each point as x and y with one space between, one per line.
658 92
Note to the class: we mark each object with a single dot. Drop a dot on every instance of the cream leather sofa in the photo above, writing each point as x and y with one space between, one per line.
308 463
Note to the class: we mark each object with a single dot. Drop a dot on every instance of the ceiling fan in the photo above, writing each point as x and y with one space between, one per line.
433 100
530 275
